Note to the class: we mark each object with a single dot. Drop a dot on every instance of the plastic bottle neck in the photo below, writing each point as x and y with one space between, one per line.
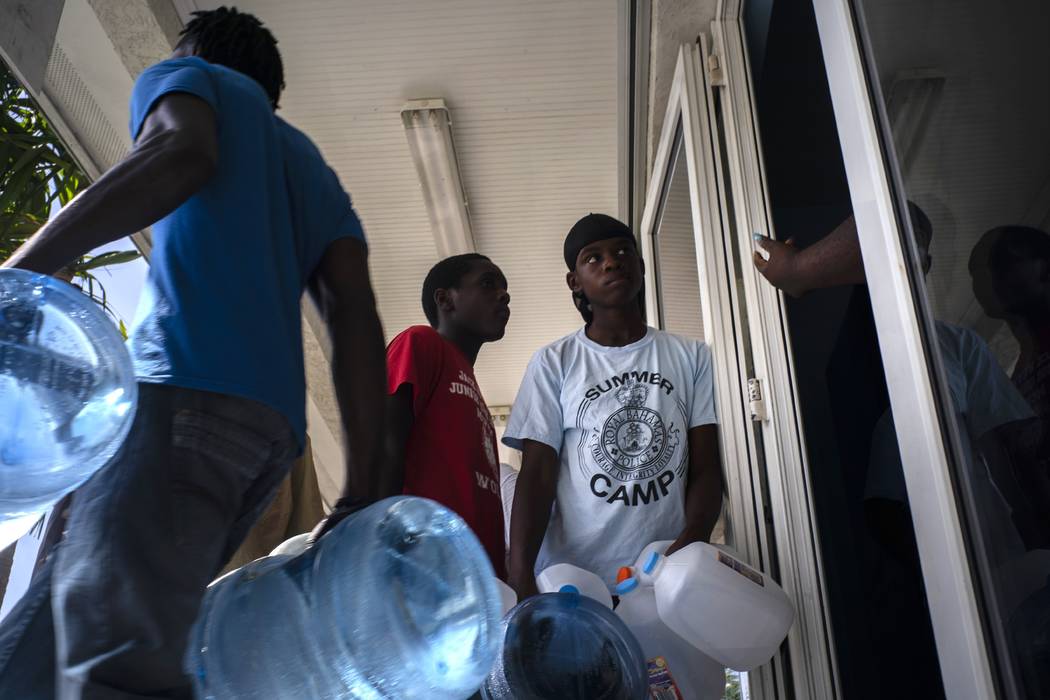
652 566
626 587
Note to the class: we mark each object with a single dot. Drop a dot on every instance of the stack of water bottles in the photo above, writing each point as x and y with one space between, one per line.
690 615
67 395
397 601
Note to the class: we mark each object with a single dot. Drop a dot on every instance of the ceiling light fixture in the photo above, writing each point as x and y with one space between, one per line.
428 127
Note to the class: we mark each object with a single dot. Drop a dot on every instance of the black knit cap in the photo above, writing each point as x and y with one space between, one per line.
591 228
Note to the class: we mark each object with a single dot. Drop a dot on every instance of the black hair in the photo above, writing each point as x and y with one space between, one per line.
447 274
920 224
239 41
1009 243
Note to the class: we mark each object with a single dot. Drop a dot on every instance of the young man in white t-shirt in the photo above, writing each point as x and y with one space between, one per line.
616 423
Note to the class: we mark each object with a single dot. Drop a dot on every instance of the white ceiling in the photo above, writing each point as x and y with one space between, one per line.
532 89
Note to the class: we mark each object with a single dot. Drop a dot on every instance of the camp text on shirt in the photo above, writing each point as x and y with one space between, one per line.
619 418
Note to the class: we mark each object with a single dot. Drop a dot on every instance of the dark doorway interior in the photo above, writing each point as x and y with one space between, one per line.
883 640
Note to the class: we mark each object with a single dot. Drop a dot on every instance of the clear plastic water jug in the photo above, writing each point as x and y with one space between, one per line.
565 646
556 578
731 612
293 546
677 670
67 391
398 601
297 544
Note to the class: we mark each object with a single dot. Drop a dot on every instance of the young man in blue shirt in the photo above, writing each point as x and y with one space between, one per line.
245 216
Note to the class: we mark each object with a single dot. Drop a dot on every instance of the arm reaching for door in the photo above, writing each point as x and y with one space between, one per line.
833 261
830 262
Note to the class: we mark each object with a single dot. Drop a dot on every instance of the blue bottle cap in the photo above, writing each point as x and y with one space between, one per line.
626 586
569 588
650 563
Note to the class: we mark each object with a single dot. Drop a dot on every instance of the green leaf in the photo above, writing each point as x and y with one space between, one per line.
16 188
113 257
36 170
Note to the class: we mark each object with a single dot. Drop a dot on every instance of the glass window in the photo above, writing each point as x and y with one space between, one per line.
966 88
674 248
883 639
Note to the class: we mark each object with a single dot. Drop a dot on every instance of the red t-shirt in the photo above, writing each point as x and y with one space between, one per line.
451 452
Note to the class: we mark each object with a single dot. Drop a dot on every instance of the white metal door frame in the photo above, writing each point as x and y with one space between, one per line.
689 108
810 641
683 107
965 665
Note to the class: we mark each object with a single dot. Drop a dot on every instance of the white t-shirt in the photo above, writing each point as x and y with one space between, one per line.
508 482
983 398
619 418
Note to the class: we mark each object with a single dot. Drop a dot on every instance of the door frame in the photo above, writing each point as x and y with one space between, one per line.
811 640
874 179
687 106
728 201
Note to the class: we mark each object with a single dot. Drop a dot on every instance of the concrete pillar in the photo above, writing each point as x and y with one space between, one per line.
674 22
142 31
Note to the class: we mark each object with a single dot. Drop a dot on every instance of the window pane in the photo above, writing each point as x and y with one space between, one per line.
967 91
884 645
677 279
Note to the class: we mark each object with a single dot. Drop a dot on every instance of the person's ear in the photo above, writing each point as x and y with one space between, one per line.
573 281
445 300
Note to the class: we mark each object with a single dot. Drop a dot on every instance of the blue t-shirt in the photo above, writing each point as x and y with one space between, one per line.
220 309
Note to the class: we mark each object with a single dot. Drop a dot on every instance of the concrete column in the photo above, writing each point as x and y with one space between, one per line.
674 22
142 31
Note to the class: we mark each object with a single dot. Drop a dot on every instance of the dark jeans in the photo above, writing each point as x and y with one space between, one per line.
109 614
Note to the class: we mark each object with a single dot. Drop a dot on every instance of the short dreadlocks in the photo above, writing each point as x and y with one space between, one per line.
239 41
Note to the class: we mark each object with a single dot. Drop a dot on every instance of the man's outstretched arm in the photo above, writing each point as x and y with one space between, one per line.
174 156
832 261
343 292
399 421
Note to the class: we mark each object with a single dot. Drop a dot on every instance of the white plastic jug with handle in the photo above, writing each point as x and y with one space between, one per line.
507 597
731 612
677 669
555 578
646 561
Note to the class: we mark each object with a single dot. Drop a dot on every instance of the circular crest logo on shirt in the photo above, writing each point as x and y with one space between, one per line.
634 437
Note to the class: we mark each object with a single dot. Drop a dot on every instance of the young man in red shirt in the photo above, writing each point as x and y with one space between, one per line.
440 442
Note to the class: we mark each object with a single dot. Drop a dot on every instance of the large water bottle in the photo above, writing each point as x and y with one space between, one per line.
67 391
297 544
566 646
398 601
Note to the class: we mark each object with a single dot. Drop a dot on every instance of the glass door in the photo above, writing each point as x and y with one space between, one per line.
689 291
769 370
705 199
941 109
